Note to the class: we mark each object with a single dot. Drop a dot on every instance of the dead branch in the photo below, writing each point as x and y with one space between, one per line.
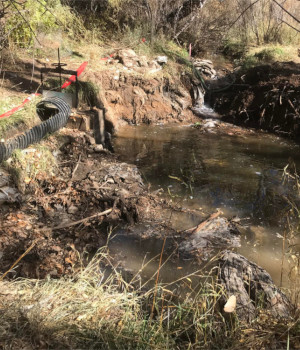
286 11
203 223
82 220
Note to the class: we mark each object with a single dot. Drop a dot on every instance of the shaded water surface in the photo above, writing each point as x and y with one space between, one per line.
242 176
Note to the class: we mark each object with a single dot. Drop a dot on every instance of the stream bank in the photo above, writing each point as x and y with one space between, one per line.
76 207
264 97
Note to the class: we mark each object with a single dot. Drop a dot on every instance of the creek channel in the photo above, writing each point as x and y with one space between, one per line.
239 175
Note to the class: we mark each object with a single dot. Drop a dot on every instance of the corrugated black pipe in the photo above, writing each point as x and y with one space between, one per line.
45 110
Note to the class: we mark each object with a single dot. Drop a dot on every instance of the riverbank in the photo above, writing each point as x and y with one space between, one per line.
68 196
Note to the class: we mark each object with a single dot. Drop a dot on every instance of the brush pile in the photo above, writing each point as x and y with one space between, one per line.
265 97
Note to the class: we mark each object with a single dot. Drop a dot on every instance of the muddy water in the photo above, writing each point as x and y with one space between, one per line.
240 175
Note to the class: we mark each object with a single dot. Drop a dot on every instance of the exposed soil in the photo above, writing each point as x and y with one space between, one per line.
88 181
265 97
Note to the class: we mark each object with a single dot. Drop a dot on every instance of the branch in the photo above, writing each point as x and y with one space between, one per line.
283 21
296 19
47 9
82 220
24 19
241 14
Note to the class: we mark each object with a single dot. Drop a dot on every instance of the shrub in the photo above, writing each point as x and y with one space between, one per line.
26 20
234 49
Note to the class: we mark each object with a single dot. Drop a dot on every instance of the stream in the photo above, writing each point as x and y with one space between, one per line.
240 175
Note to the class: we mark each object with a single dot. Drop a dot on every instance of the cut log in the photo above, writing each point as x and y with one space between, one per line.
252 286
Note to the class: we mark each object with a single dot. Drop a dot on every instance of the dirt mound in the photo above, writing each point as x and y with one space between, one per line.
265 97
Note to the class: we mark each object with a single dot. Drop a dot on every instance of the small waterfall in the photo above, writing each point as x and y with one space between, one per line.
200 108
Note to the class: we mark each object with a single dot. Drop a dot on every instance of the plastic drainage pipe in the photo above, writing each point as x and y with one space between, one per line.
54 112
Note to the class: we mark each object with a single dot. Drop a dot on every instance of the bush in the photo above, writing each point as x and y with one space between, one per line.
27 20
234 49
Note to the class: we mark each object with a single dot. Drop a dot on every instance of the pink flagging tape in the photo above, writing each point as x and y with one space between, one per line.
72 78
15 109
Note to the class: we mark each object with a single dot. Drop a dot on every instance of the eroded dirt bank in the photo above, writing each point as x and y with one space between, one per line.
135 90
265 97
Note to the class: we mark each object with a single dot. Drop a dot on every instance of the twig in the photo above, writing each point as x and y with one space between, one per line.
291 104
203 223
76 167
2 190
283 21
24 19
47 9
241 14
291 15
19 259
82 220
33 67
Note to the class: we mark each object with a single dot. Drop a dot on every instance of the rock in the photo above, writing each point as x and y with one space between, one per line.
251 285
210 124
4 178
143 62
183 102
89 139
9 195
129 63
162 60
128 58
126 53
205 67
214 233
72 209
154 65
98 148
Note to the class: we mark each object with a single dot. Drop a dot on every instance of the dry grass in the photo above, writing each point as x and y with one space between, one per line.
280 53
31 165
25 117
96 310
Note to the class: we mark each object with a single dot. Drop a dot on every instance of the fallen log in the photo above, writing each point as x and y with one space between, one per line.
252 286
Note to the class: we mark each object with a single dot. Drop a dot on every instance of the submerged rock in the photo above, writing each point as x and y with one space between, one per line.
214 233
